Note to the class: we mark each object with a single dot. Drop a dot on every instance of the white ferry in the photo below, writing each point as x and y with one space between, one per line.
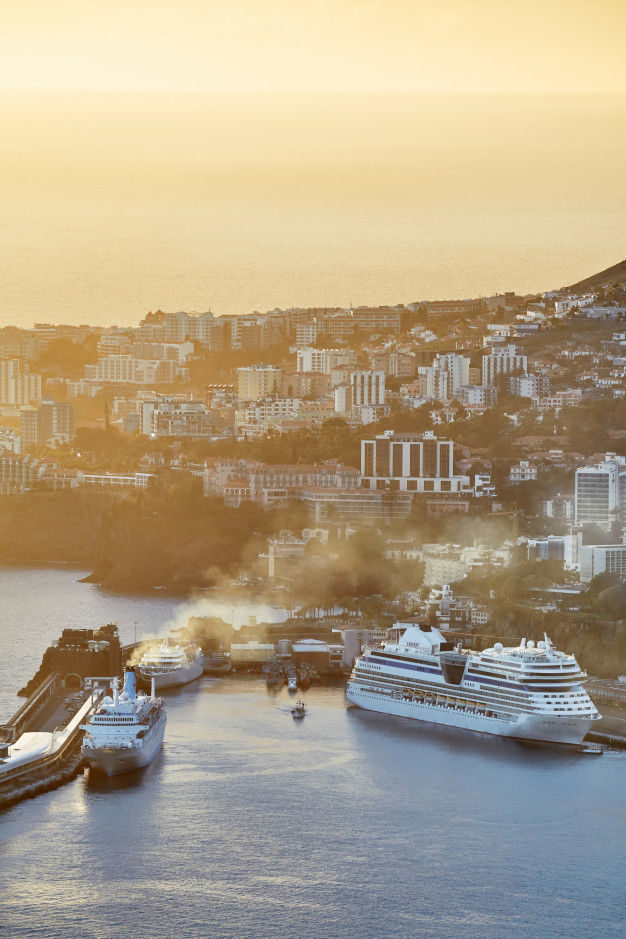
126 731
527 691
171 665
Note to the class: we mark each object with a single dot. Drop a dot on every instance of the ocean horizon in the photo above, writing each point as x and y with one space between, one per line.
115 204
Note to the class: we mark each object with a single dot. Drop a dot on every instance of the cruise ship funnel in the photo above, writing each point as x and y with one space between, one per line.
130 683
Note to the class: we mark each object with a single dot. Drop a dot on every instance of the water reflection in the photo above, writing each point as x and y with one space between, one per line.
97 783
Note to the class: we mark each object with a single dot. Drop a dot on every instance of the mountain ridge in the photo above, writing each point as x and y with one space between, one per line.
611 275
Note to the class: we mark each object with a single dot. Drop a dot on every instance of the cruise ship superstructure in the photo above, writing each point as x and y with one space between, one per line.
126 730
171 665
529 691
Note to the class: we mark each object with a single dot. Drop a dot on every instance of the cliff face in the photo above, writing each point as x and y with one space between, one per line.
53 526
612 275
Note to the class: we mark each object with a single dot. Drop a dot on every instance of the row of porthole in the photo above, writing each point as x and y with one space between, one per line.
383 694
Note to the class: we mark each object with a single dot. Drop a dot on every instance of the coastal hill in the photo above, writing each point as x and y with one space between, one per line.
612 275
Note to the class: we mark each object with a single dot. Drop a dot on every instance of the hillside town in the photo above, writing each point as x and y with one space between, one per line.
466 457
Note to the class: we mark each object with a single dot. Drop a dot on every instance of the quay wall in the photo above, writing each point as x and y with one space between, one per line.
25 719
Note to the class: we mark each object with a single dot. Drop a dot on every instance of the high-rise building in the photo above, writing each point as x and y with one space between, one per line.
18 385
600 493
47 425
445 376
503 361
257 381
367 388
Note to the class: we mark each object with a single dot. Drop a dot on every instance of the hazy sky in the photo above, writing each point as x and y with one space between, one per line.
549 46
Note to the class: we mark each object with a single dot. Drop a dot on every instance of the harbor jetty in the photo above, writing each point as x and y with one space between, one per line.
40 745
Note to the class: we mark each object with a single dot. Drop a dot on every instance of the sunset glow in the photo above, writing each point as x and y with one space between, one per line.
412 46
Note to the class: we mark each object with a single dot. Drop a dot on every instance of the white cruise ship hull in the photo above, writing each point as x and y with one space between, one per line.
173 678
113 760
549 729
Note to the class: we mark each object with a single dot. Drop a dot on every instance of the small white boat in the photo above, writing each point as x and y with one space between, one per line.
292 683
592 748
298 710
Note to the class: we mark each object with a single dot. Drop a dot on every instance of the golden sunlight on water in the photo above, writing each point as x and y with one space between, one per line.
115 204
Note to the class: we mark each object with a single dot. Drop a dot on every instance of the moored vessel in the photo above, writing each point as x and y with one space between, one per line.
217 662
171 664
531 692
273 672
126 731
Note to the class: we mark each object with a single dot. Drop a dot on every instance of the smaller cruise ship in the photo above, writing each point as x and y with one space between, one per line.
171 665
126 731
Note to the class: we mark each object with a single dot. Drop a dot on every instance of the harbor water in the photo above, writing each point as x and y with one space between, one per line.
250 825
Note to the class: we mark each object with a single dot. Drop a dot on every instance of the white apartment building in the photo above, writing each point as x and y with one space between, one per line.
502 361
602 558
311 360
181 326
187 419
434 383
363 398
266 409
82 389
323 360
482 396
443 565
18 385
457 367
445 376
145 404
529 386
306 333
522 472
257 381
129 370
175 351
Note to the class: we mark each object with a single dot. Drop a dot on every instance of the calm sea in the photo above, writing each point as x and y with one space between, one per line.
347 825
113 205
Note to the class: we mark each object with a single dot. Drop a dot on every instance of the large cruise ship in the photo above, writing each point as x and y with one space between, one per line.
528 691
171 665
126 731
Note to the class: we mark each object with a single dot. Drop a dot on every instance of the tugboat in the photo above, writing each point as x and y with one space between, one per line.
298 710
